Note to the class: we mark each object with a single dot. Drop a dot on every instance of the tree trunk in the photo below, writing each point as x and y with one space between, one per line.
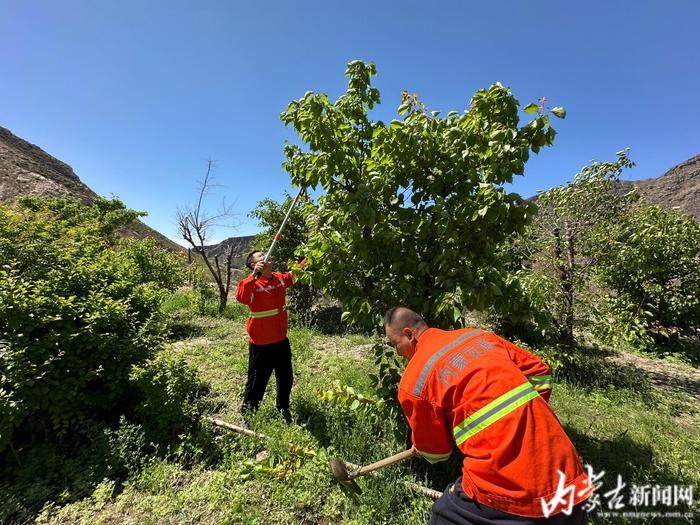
569 289
565 273
223 299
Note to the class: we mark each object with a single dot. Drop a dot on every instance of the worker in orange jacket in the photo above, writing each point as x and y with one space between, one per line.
489 397
264 292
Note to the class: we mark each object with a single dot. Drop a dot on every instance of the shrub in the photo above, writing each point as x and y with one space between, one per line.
171 398
55 473
204 290
652 267
78 308
127 447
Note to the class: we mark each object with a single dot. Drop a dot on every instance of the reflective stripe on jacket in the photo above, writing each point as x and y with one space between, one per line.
265 298
490 398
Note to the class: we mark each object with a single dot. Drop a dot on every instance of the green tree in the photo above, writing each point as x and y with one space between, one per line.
651 265
270 214
78 308
413 210
560 248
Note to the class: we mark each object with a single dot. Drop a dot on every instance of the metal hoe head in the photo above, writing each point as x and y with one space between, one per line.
340 472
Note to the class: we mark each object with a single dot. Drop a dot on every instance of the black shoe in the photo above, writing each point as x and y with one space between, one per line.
246 412
286 415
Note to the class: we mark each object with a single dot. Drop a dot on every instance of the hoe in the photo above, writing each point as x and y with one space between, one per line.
346 479
339 468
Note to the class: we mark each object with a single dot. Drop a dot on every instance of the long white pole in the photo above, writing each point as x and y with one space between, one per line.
278 235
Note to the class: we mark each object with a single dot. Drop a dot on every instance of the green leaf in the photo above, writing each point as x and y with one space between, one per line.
354 405
531 108
559 112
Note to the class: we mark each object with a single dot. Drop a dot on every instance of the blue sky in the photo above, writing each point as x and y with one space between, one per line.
137 95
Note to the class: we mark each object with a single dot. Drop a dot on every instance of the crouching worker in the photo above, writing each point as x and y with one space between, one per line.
490 398
268 348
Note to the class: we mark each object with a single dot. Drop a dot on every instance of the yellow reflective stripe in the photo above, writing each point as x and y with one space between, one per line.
265 313
494 411
434 458
541 382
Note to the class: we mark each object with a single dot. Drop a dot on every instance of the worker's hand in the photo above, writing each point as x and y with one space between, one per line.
415 452
297 267
258 268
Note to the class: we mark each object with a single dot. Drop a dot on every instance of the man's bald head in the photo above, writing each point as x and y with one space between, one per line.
403 327
401 317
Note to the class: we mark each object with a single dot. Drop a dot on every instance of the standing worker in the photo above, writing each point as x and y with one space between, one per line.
490 398
263 291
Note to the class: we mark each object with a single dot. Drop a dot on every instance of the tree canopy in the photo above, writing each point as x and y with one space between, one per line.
413 210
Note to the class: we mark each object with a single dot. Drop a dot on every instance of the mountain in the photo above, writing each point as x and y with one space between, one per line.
241 247
26 169
678 188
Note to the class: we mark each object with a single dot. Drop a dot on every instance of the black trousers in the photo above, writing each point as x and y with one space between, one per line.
262 360
455 508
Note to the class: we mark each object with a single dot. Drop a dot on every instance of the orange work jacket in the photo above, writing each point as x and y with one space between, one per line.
490 398
265 298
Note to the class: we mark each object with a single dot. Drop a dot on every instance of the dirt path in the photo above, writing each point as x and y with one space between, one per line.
336 346
663 375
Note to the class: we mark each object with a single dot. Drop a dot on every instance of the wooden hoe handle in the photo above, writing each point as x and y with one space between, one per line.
382 463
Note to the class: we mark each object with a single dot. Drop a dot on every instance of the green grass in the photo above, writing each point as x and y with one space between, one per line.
617 421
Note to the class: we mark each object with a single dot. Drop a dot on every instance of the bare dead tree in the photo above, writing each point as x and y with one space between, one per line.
195 225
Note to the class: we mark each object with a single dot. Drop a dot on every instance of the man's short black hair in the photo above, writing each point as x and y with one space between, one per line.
400 317
249 259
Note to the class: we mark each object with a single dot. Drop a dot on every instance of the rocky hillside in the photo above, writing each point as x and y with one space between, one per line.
678 188
26 169
241 247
